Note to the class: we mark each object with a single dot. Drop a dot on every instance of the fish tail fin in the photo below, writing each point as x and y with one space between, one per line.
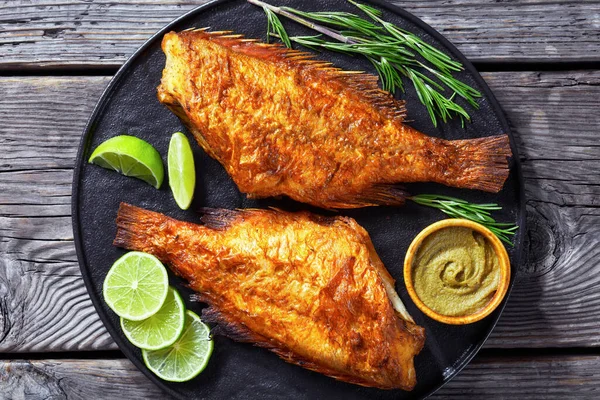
137 227
483 163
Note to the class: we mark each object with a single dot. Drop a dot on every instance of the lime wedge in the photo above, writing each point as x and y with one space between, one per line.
187 357
182 173
136 286
130 156
161 329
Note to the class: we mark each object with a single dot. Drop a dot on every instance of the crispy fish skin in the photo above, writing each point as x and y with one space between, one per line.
283 123
310 289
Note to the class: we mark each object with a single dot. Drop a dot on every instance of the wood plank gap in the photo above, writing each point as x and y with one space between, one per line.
81 70
537 352
555 66
67 355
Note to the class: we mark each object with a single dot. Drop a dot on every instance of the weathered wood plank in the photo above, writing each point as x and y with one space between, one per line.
486 377
74 379
548 377
43 303
103 33
553 303
44 306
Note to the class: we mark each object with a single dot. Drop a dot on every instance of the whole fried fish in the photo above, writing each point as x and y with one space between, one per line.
283 123
310 289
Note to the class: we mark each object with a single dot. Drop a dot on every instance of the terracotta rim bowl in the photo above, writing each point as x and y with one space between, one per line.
503 262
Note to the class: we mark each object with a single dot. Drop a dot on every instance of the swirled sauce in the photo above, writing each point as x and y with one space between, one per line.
456 271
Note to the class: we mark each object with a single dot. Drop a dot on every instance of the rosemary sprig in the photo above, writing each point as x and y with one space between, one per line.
480 213
441 60
392 51
274 27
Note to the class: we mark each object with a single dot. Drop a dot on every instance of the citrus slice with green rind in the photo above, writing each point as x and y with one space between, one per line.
130 156
187 357
182 172
161 329
136 286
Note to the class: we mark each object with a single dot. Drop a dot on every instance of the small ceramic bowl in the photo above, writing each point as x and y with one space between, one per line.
503 262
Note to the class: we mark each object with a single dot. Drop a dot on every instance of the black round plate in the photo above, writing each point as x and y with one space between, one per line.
129 105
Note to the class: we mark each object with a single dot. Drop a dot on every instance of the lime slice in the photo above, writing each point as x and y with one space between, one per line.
182 173
161 329
136 286
187 357
130 156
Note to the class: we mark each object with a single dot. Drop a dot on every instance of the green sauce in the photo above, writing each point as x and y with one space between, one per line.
456 271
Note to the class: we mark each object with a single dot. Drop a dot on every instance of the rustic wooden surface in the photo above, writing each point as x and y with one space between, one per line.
102 33
484 378
44 306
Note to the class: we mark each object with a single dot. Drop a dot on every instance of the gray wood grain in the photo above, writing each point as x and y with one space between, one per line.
74 379
103 33
43 303
485 377
44 306
553 302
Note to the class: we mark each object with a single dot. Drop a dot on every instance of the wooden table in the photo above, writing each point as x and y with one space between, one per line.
540 58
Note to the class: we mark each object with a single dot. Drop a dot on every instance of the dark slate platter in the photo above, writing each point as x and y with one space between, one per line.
129 105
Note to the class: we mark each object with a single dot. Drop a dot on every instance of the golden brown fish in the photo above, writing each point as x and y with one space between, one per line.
282 123
310 289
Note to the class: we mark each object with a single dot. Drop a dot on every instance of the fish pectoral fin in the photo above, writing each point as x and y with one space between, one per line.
385 195
221 219
225 325
376 195
218 218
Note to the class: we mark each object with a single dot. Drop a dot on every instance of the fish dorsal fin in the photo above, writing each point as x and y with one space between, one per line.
360 82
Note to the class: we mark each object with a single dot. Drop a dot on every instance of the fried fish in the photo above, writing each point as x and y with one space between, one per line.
309 288
283 123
